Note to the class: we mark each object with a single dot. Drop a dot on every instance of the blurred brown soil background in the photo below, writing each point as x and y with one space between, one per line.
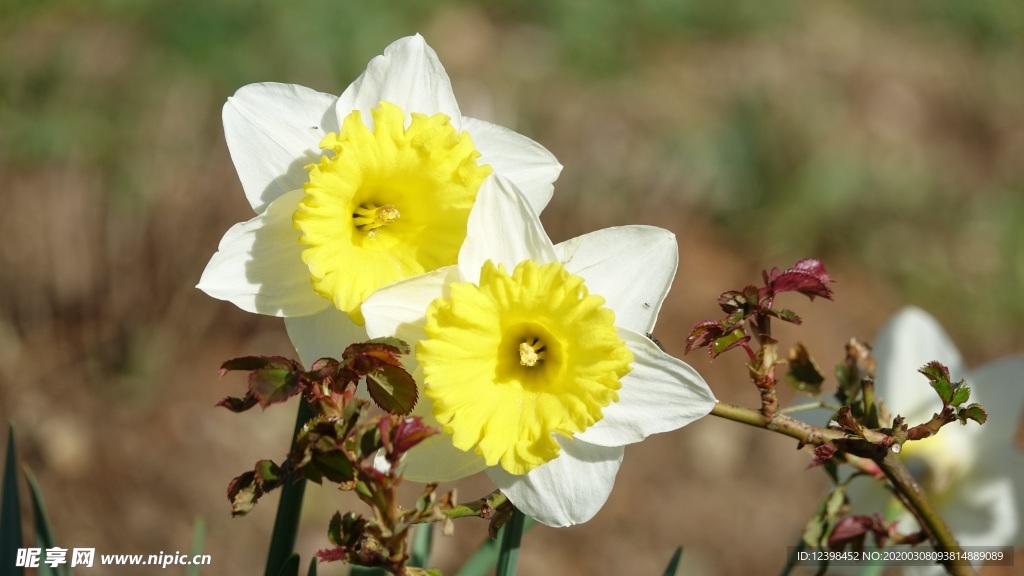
884 140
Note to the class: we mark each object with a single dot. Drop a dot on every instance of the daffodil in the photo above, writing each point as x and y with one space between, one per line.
973 473
352 193
534 359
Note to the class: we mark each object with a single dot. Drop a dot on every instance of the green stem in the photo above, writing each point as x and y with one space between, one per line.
891 465
925 512
289 508
512 535
779 423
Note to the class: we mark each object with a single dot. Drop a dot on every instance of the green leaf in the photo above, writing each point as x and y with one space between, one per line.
486 555
973 412
673 564
720 345
396 343
508 555
961 394
286 523
817 530
422 540
290 566
393 389
10 512
196 546
312 567
804 374
44 534
938 376
273 385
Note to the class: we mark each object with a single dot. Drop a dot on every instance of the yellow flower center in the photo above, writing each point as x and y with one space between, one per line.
518 358
389 203
940 461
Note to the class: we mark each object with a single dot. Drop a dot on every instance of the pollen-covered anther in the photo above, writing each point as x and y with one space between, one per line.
371 217
530 353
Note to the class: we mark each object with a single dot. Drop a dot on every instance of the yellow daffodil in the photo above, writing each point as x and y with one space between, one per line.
973 473
352 193
533 357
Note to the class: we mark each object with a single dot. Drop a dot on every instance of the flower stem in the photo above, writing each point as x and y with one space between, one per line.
286 523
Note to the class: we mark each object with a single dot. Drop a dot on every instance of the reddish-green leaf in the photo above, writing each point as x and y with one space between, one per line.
393 389
273 384
804 374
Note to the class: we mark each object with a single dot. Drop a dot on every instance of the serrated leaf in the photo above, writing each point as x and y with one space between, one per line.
973 412
788 316
396 343
938 377
238 404
727 342
393 389
250 363
804 374
273 385
961 394
242 493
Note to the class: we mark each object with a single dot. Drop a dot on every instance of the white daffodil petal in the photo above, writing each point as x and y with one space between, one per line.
631 267
999 388
985 514
409 75
502 228
908 342
660 394
567 490
436 459
273 131
398 309
323 335
526 163
258 266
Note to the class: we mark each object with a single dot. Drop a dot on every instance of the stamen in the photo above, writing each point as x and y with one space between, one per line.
530 353
370 217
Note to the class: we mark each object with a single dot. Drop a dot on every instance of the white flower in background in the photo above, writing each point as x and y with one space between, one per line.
354 192
973 473
534 359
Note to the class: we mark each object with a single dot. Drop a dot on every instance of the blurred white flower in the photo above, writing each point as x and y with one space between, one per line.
973 473
354 192
534 359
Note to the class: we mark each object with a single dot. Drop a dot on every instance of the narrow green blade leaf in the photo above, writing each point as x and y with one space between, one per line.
10 513
286 523
486 555
422 540
364 571
312 567
290 566
508 556
673 564
196 546
44 534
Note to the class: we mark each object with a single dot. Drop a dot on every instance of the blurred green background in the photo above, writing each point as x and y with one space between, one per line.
886 139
